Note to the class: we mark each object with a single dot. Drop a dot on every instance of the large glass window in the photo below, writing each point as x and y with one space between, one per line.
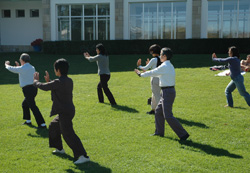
162 20
228 19
84 22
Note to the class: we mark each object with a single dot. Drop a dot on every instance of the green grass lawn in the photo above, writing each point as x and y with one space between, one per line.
118 139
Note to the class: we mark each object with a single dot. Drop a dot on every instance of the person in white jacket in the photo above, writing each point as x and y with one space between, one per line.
166 74
154 50
25 72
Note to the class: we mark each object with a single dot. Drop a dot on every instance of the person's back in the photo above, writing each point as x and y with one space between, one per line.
27 73
62 95
103 64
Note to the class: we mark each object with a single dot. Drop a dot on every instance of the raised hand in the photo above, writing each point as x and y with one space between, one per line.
86 55
138 62
36 76
46 77
147 61
7 62
17 63
214 55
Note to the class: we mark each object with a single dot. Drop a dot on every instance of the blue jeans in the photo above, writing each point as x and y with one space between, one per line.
237 82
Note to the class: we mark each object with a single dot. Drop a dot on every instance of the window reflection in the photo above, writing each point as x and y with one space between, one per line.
228 19
84 22
163 20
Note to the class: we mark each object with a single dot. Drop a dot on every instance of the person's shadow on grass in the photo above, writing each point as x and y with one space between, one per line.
90 167
40 133
85 167
192 123
208 149
124 108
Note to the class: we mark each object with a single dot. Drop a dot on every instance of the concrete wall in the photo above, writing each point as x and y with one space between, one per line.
119 19
20 31
46 20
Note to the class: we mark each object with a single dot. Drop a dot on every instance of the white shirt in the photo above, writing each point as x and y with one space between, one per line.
152 64
26 73
165 72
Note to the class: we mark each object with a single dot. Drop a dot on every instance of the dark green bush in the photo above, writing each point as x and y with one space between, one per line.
179 46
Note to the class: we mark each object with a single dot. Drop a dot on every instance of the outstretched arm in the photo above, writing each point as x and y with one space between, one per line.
13 69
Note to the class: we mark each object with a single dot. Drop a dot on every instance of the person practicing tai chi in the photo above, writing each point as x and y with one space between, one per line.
235 73
154 50
245 64
26 72
62 97
102 61
166 74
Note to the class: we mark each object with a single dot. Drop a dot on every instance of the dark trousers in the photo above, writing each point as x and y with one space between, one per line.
103 84
30 93
62 125
164 112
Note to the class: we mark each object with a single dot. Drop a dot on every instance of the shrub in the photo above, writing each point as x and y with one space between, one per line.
179 46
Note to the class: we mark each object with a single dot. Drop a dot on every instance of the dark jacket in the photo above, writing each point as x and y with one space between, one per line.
61 92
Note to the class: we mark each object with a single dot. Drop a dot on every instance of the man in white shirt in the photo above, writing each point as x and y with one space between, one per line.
26 74
166 74
154 50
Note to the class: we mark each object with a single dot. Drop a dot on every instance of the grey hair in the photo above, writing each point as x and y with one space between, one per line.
25 57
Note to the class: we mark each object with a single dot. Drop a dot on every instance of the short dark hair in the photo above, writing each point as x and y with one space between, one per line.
62 65
235 51
155 48
168 52
25 57
101 49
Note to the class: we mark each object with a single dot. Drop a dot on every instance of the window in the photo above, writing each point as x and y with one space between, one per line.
34 13
228 19
20 13
6 13
83 22
163 20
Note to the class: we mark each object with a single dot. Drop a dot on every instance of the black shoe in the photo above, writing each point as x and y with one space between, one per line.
183 138
156 134
151 112
25 123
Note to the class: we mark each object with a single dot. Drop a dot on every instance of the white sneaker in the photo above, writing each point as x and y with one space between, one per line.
59 151
81 160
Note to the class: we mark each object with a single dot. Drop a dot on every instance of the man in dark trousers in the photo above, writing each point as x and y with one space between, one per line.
26 72
166 74
62 97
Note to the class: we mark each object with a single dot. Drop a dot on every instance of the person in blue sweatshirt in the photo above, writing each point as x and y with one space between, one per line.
235 73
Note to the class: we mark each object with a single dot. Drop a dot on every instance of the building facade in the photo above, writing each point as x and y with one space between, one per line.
23 21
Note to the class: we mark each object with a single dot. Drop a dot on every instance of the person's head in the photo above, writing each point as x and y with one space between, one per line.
155 50
100 49
61 67
248 58
233 51
24 58
166 54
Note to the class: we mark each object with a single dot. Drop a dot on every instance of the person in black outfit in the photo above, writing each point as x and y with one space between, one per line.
102 61
62 96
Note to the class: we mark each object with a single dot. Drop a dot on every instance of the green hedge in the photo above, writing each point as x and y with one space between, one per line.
179 46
